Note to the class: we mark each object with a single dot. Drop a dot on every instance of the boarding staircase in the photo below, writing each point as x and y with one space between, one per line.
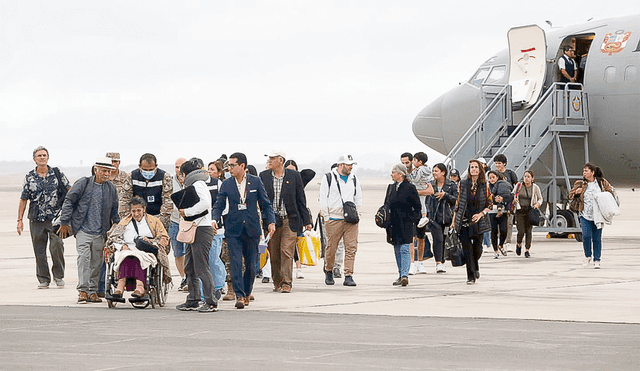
561 112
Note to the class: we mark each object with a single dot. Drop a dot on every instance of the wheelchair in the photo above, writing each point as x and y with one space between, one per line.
156 289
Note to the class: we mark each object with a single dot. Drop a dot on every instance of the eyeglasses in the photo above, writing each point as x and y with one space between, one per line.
232 164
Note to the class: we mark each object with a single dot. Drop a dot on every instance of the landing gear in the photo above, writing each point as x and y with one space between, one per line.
564 219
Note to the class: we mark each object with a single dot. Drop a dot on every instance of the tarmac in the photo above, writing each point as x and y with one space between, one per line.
547 312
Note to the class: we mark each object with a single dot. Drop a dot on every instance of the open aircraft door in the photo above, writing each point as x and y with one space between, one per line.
527 64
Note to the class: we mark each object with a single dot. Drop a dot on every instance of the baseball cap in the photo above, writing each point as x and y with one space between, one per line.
346 159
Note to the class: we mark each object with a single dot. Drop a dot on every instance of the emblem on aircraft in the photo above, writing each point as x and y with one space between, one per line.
575 103
615 43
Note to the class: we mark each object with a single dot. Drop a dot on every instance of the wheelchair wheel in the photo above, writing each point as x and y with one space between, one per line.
162 289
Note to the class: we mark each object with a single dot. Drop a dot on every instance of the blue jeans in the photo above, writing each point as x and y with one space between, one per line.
178 247
216 266
487 239
591 234
403 258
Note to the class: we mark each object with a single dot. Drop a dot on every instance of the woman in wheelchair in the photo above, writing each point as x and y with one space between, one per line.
137 242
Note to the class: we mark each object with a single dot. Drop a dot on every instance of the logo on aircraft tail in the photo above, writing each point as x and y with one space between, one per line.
615 43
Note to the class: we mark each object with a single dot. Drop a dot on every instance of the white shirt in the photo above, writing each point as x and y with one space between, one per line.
130 233
589 199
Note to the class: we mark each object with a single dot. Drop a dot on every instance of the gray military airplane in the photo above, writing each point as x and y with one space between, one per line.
608 52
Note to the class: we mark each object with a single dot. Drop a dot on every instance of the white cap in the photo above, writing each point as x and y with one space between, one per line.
346 159
105 162
481 159
276 153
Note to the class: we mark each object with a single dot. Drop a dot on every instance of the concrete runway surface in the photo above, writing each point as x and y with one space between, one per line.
543 313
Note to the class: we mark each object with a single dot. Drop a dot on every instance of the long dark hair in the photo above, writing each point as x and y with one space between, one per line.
597 172
482 178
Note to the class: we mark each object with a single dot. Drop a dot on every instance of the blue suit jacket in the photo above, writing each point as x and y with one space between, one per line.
247 219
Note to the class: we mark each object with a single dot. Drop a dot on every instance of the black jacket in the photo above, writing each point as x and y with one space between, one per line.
293 198
465 209
441 212
405 208
502 188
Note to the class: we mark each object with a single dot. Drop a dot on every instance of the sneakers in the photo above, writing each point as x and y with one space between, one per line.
526 254
43 285
503 251
336 273
413 269
596 264
285 289
508 247
421 268
471 282
207 308
404 281
218 293
397 282
299 274
183 285
265 279
348 281
82 297
60 282
423 221
187 306
496 255
328 279
586 262
518 250
440 268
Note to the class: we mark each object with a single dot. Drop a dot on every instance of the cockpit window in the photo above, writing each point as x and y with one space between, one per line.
479 76
488 75
497 73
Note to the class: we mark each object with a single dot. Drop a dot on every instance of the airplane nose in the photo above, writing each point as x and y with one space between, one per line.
427 126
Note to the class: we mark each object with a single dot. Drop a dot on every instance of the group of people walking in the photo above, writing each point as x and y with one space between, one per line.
481 203
231 215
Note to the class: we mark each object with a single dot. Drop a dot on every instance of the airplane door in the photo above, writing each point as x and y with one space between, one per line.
527 63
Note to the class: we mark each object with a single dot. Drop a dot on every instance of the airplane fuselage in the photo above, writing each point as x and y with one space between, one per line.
611 79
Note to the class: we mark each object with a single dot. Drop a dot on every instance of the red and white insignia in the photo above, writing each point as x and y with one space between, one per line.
615 43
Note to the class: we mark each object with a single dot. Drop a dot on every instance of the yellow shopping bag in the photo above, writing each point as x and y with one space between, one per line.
309 248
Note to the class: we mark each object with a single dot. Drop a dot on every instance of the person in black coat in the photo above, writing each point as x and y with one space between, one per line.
440 206
285 190
470 218
405 210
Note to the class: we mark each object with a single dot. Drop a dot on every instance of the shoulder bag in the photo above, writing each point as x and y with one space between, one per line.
141 243
350 211
186 232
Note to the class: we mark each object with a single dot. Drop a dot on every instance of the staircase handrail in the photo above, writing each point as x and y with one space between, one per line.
477 124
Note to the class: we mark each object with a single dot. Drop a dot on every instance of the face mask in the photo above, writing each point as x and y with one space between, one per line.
148 174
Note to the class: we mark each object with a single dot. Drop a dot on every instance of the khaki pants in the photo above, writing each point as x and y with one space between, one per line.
281 247
336 230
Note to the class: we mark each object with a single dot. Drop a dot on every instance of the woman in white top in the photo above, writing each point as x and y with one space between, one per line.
130 262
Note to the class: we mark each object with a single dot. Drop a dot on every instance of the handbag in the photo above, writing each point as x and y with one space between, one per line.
141 243
535 217
309 248
186 232
384 214
453 249
349 209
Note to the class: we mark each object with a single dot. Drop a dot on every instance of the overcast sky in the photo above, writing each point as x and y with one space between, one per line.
199 78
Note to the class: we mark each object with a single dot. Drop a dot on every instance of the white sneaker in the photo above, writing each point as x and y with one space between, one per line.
299 273
421 268
586 262
440 268
596 264
507 246
412 269
423 221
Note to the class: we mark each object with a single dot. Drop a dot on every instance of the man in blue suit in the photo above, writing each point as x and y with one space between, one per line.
243 192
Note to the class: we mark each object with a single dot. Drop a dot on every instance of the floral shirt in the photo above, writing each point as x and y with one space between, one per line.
42 193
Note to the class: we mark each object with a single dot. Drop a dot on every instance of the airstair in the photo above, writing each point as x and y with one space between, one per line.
561 112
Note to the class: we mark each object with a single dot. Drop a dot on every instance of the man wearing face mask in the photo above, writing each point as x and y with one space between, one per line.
155 187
